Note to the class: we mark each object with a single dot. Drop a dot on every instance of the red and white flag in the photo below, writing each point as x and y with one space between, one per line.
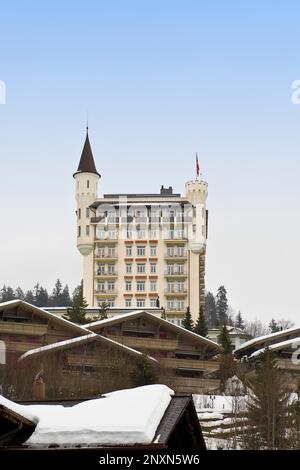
197 166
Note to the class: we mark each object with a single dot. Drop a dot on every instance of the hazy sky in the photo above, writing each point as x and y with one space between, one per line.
160 80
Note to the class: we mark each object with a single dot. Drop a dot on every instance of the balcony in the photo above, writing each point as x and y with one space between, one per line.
106 256
21 346
176 291
287 364
175 256
175 273
146 343
30 329
107 293
176 363
195 385
107 240
106 274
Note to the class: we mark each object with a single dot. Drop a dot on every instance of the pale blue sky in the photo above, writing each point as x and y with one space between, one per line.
160 80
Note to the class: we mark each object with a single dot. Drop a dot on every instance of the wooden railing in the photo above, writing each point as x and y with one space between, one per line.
287 364
147 343
195 385
31 329
175 363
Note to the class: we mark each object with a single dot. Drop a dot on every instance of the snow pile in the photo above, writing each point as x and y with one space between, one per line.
21 410
122 417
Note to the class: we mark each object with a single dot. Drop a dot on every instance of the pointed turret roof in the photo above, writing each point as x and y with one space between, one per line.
87 162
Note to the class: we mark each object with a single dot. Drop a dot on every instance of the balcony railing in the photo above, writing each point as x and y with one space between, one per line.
107 292
31 329
147 343
195 385
175 273
175 363
176 255
106 255
176 291
106 273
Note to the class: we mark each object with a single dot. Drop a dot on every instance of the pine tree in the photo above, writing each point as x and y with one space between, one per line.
78 291
273 327
143 374
55 298
7 294
211 310
227 364
239 322
201 324
267 406
77 312
65 297
222 306
29 297
19 293
188 323
103 310
224 340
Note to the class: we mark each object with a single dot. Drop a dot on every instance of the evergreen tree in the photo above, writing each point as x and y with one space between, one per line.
143 374
224 340
273 327
55 298
19 293
222 306
78 291
42 299
7 294
201 324
29 297
77 312
65 299
227 364
103 310
210 310
188 323
267 406
239 322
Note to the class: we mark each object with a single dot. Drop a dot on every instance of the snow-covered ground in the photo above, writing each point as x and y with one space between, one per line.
122 417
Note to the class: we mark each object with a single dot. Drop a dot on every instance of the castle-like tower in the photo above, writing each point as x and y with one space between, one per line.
141 250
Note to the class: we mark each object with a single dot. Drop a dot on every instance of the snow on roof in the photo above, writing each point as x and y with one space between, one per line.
123 417
294 343
42 312
19 409
260 339
78 340
66 342
135 313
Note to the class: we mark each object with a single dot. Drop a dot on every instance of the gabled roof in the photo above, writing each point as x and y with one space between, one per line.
69 343
87 162
267 339
293 343
132 315
76 329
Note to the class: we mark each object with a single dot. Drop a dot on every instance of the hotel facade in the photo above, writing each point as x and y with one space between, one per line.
141 250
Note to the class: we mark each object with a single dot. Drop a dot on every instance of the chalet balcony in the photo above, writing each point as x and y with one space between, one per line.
146 343
21 346
30 329
195 385
176 363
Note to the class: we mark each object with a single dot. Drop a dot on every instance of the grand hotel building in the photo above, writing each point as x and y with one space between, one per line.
141 250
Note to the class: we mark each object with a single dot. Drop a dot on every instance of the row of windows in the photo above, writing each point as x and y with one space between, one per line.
141 250
140 268
140 286
87 231
111 234
139 303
